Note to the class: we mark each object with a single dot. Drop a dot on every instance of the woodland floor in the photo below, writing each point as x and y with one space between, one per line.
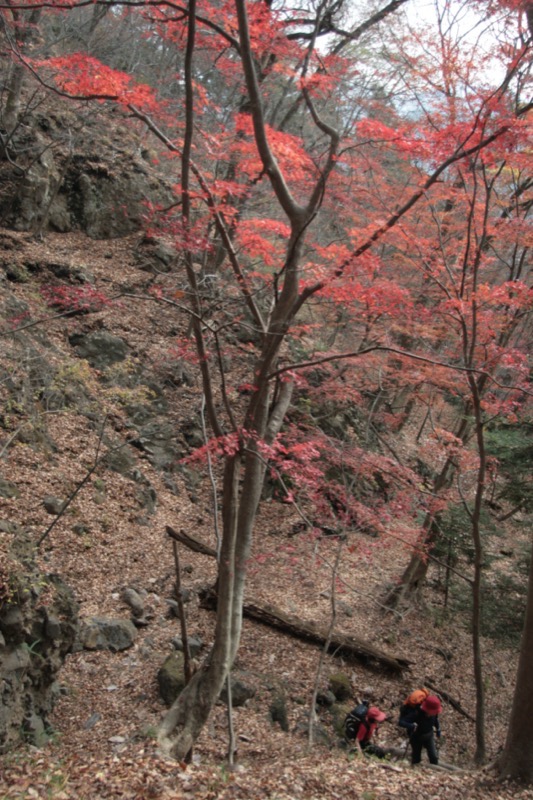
105 722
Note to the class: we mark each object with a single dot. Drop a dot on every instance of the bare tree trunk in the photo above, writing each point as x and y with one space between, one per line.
26 35
188 714
475 517
516 760
415 573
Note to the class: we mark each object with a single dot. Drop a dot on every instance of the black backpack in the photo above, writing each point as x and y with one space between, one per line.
354 720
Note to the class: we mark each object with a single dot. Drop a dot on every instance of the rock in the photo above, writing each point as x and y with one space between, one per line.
134 601
52 628
195 645
12 624
35 730
13 659
101 175
101 348
240 692
338 713
92 721
325 699
278 710
339 684
171 678
53 505
155 255
8 489
157 438
104 633
34 642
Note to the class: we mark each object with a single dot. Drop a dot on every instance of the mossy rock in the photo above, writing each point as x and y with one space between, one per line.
339 712
171 678
278 710
339 684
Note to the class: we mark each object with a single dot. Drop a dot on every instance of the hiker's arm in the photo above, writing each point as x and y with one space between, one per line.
409 726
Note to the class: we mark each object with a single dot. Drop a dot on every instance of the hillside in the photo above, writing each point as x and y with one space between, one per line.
71 394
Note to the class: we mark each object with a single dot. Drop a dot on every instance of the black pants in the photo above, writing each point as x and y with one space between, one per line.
424 742
370 749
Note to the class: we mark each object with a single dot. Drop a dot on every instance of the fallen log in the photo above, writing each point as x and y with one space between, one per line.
340 644
449 699
188 541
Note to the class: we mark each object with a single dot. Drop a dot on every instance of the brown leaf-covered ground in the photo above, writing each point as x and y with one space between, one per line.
107 716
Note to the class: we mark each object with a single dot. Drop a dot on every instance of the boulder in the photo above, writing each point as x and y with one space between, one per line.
105 633
339 684
241 691
171 678
195 645
278 709
100 348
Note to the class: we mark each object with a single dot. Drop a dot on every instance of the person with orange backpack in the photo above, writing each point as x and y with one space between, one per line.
409 709
422 723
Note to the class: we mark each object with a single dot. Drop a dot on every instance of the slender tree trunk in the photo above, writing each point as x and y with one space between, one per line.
475 516
187 716
516 760
26 35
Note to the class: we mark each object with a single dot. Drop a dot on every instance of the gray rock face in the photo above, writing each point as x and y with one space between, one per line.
34 641
104 633
100 191
101 349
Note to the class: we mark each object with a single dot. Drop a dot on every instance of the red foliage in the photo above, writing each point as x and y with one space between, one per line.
75 299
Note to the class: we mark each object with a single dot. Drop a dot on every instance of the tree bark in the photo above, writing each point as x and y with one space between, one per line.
516 760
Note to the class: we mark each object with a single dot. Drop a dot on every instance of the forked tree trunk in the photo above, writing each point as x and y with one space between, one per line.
187 716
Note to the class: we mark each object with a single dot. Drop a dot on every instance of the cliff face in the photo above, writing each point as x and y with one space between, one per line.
38 625
64 169
68 170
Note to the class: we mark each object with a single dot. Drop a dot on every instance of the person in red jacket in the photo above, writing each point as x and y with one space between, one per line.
366 731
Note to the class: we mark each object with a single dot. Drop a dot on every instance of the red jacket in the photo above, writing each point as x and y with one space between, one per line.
366 731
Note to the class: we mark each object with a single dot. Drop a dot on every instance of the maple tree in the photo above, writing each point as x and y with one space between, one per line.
275 121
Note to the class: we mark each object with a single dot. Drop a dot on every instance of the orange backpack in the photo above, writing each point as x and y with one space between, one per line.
417 697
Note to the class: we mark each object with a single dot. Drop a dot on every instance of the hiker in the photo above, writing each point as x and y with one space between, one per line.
410 708
422 727
365 731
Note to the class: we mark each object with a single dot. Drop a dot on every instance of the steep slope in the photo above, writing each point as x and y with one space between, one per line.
98 412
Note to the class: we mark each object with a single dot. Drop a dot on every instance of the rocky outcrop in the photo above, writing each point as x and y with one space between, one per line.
56 178
38 624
